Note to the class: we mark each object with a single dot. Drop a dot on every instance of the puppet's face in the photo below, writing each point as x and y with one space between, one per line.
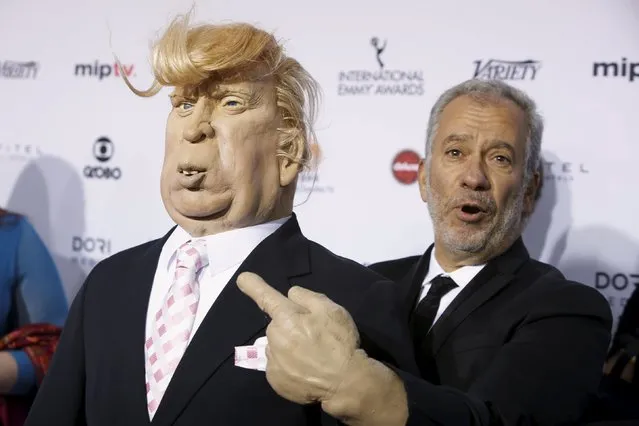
220 167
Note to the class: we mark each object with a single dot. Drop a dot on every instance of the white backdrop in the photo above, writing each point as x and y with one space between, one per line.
60 96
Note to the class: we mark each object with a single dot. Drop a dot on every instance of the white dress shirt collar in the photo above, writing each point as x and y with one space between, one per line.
462 276
226 249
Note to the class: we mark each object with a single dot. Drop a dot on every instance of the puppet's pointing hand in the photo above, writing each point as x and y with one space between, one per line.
311 340
314 357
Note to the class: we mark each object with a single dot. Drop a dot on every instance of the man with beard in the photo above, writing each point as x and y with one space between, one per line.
500 338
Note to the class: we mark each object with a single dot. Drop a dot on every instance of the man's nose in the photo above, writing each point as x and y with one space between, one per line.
474 177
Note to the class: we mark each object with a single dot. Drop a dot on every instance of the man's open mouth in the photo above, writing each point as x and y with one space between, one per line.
472 209
472 212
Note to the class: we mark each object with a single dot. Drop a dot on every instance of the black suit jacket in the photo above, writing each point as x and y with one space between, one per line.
628 328
520 345
97 374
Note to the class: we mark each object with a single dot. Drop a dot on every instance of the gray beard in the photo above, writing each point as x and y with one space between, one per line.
474 241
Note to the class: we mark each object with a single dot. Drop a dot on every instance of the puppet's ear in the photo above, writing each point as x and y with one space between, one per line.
292 153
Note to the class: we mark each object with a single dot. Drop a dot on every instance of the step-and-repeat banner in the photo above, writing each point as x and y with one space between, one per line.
80 155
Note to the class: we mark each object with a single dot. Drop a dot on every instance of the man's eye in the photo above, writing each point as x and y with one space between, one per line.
503 159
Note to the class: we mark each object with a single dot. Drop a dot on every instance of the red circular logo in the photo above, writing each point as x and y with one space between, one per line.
405 166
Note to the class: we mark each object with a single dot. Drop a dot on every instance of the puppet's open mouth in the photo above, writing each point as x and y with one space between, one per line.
191 176
190 169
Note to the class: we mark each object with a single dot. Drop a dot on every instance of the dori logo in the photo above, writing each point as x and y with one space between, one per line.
88 251
103 150
405 166
101 70
101 246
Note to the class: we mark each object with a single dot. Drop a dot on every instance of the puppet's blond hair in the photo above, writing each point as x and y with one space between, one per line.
189 56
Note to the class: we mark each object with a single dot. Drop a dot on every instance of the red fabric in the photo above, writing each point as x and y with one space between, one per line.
39 341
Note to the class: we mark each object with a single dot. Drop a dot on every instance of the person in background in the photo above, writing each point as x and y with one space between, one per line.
624 350
619 389
33 308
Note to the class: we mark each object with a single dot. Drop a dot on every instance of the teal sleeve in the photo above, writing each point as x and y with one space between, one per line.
26 373
40 296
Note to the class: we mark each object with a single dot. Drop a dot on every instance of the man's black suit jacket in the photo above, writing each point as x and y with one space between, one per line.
520 345
97 375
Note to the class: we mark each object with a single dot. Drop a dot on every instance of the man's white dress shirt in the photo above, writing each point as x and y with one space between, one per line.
461 276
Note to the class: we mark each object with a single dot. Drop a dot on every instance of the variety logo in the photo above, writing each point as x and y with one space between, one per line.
17 70
103 150
102 70
88 251
405 166
381 81
625 69
563 171
497 69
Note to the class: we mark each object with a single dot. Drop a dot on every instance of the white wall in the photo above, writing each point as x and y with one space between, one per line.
586 223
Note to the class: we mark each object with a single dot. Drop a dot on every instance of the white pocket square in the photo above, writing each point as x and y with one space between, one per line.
261 341
252 357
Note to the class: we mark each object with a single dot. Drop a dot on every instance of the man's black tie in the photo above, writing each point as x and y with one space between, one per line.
424 315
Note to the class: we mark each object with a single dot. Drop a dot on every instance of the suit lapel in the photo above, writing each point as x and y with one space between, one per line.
234 319
132 315
486 284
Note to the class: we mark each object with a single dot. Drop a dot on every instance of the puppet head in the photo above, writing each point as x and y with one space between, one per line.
239 130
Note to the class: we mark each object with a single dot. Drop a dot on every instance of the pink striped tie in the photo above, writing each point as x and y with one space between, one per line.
173 322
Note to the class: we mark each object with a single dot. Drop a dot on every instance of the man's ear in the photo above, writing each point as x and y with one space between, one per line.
421 178
530 197
291 154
